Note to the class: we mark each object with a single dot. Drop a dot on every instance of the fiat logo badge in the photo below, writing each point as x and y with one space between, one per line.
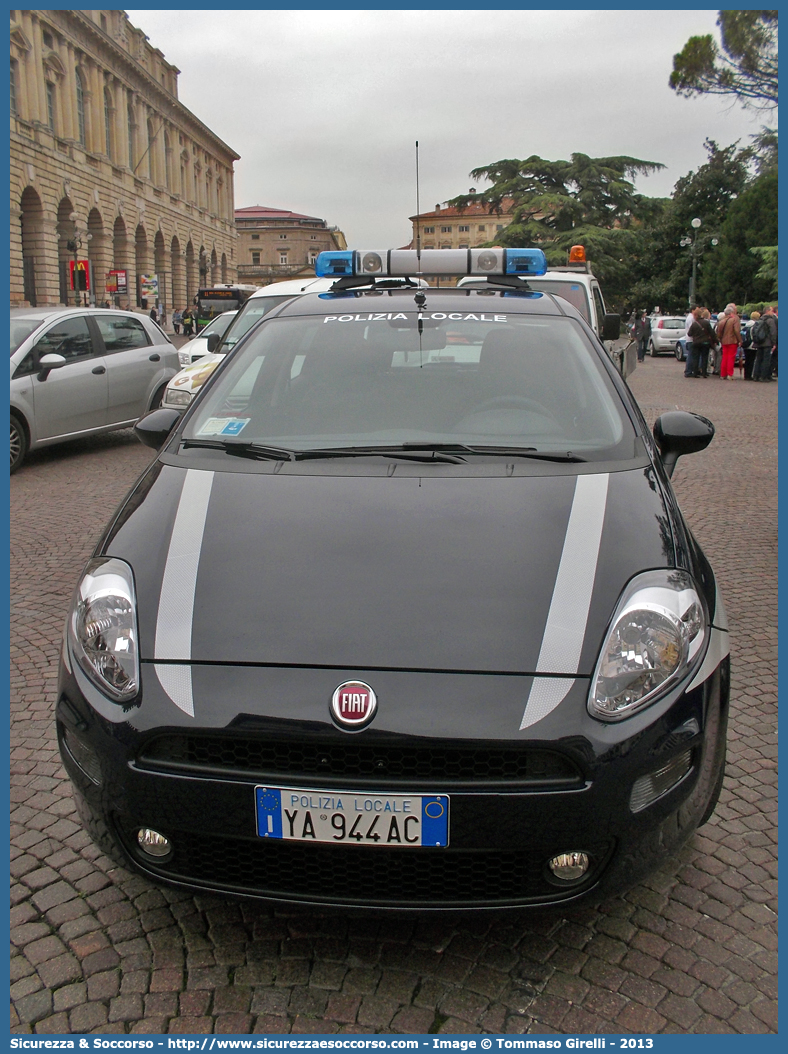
353 705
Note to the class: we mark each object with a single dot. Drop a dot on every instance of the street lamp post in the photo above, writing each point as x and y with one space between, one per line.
695 244
74 245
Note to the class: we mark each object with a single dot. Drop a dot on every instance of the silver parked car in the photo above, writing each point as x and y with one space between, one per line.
81 371
665 332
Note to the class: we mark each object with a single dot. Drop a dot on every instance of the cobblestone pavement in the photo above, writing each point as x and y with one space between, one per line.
98 949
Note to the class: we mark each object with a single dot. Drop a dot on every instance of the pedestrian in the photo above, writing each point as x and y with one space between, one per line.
691 363
747 322
689 359
642 335
764 337
188 323
703 338
154 314
729 334
177 318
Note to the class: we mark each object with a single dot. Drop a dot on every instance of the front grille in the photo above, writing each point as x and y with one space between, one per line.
350 875
438 763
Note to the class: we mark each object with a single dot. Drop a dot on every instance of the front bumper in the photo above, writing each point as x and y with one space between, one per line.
516 798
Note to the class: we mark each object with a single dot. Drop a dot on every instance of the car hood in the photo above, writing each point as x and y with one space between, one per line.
497 573
194 376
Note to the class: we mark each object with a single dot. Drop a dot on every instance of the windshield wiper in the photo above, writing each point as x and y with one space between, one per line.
243 449
526 451
407 452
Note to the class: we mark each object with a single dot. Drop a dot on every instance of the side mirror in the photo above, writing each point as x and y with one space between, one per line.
153 428
611 327
50 361
212 341
680 432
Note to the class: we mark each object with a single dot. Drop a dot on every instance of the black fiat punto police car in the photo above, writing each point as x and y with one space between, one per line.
404 613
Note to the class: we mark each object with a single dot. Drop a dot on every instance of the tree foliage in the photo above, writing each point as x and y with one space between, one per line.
556 197
743 65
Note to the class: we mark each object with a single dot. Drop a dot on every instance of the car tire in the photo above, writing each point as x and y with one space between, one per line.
19 443
158 397
679 352
652 350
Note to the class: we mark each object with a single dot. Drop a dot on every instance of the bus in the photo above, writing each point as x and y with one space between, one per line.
215 299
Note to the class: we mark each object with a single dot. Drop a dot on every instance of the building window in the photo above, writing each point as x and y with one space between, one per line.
282 237
13 87
499 226
150 149
130 121
465 246
428 230
445 230
167 161
255 237
283 256
256 258
481 227
104 23
51 107
429 246
80 108
107 123
48 41
461 228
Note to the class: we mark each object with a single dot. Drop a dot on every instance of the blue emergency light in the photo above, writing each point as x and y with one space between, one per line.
408 262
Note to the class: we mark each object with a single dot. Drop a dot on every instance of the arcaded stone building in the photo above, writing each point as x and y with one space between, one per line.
108 166
275 244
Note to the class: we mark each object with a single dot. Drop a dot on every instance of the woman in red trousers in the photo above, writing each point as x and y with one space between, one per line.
729 333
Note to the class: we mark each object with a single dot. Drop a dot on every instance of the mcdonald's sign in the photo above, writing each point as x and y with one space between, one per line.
83 274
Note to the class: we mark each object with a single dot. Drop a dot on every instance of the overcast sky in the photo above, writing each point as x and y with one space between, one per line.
325 107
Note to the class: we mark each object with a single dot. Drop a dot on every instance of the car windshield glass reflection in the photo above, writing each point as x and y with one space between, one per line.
21 328
315 383
252 311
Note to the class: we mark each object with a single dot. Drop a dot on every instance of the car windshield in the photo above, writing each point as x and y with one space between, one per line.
253 310
21 328
219 325
574 292
530 382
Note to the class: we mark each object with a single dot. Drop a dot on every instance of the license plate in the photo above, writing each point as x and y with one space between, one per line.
351 818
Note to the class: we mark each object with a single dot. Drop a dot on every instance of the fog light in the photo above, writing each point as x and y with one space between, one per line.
648 788
153 843
569 867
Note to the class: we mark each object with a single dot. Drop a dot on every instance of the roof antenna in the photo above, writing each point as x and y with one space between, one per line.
418 216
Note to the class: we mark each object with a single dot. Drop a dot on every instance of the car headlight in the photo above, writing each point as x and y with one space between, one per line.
174 398
184 358
655 639
103 628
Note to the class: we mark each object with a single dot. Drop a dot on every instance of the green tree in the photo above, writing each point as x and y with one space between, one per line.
733 271
768 269
587 200
662 266
743 65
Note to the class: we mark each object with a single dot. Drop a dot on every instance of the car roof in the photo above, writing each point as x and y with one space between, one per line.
293 287
53 312
450 299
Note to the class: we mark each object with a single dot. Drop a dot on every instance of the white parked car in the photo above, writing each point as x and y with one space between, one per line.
665 332
81 371
198 346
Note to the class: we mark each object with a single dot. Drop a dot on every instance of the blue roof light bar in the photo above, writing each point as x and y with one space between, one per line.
406 262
